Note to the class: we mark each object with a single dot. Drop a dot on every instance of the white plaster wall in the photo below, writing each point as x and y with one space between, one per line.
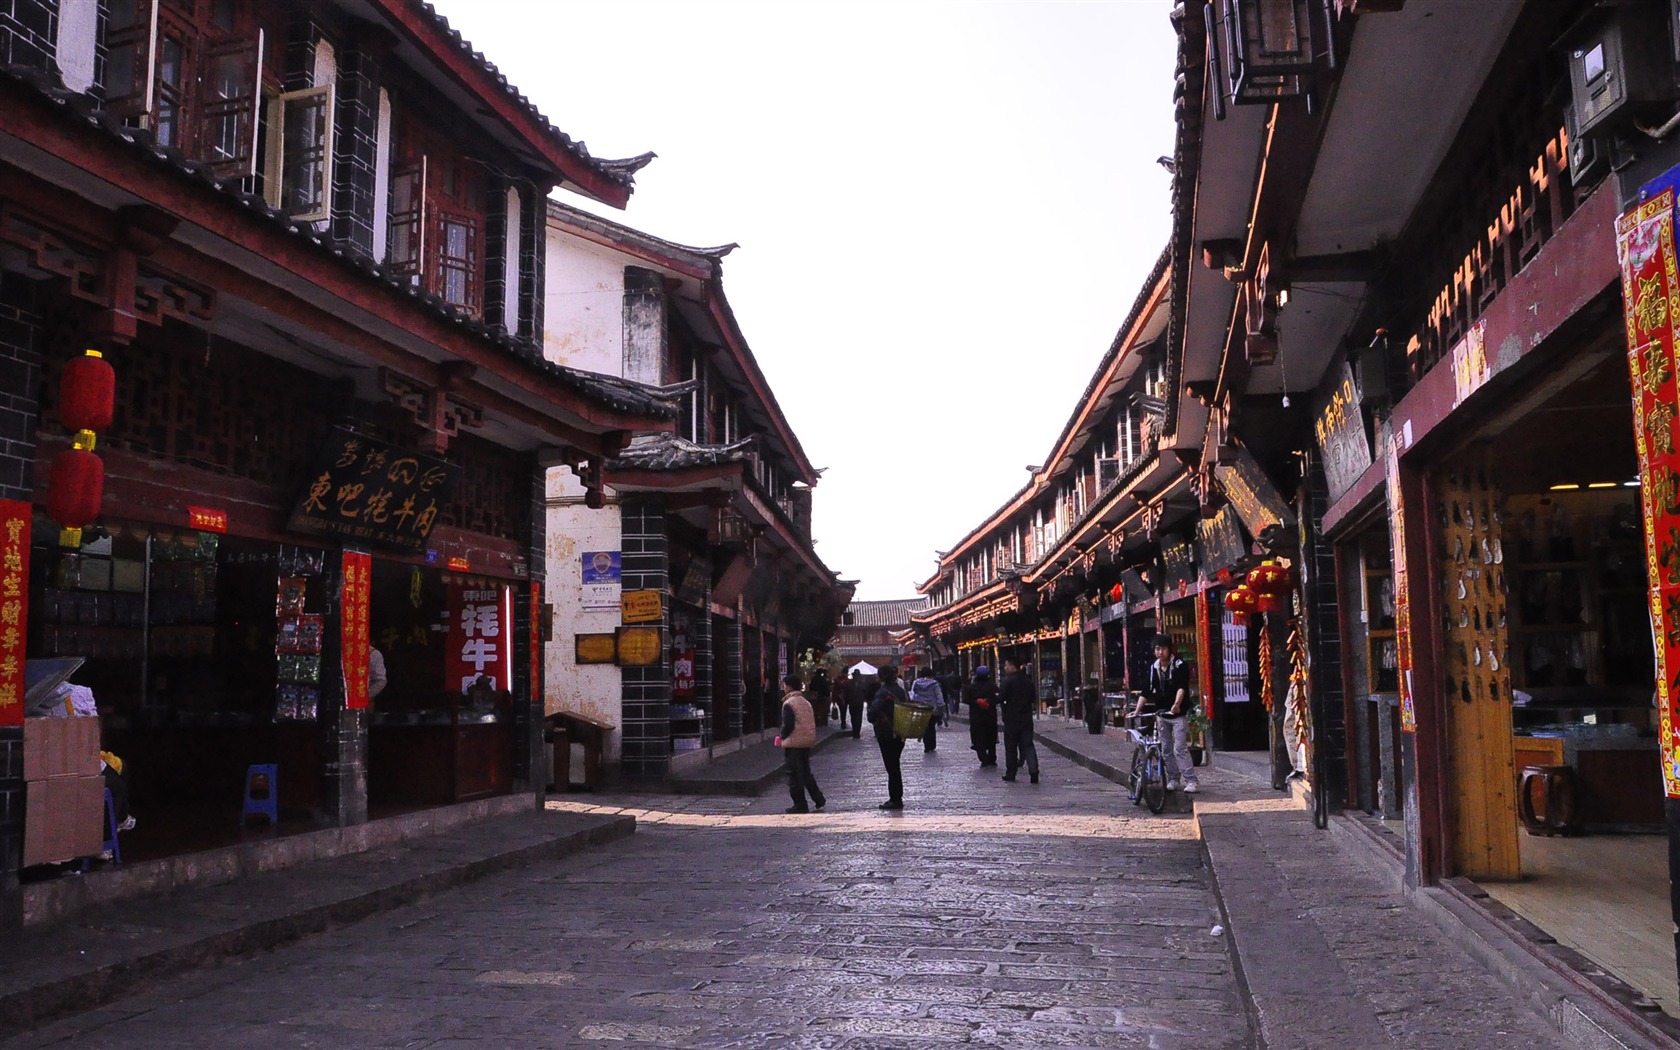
583 305
595 690
78 26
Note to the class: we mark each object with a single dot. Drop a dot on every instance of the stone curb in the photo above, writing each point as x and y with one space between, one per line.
104 982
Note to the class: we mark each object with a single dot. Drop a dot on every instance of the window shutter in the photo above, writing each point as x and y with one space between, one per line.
131 56
408 208
229 94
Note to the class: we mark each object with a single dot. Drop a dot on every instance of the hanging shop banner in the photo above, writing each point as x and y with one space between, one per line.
682 673
14 605
354 601
643 606
480 638
695 580
1650 301
207 519
1339 426
1222 541
1262 508
369 492
1470 369
1402 589
603 577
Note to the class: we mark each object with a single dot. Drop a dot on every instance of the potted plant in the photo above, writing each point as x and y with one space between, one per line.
1198 727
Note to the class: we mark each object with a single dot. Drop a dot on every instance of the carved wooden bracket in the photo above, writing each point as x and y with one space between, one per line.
439 415
1260 337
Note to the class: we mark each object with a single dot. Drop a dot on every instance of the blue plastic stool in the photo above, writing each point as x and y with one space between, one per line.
262 793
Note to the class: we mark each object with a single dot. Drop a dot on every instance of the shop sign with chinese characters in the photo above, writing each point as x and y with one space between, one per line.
369 492
1402 589
1340 430
14 605
480 637
207 519
643 606
353 627
1650 301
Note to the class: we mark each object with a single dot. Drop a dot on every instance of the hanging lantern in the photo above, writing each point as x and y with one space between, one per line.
1271 604
87 396
77 490
1116 592
1239 619
1270 577
1240 599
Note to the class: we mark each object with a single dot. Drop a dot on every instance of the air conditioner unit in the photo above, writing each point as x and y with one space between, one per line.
1108 473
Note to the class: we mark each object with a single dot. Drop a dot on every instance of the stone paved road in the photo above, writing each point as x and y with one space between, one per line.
984 913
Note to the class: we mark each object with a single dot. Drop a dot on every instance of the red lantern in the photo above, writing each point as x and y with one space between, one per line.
1239 619
1271 603
1269 577
87 394
77 490
1116 592
1240 600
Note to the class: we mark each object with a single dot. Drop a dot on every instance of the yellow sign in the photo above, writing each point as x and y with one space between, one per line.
596 648
642 607
639 646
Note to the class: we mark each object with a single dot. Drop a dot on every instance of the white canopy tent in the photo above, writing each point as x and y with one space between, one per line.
862 667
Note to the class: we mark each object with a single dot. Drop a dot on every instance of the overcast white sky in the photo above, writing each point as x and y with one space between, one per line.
944 212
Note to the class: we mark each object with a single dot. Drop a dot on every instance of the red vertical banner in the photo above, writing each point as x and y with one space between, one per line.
480 637
358 571
1205 655
536 645
14 607
1650 300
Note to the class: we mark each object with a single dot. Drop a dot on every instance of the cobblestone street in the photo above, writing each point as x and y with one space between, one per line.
984 913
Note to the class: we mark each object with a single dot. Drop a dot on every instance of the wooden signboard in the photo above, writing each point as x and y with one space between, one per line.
639 646
1257 501
643 606
596 648
1222 541
1339 426
367 492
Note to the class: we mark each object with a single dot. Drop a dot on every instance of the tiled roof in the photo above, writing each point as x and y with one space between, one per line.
670 452
622 172
894 613
83 110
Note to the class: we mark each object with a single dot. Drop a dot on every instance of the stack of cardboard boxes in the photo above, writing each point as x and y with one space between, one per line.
64 792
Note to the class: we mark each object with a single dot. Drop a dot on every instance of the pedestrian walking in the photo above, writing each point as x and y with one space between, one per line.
837 698
817 693
1167 693
981 696
926 690
798 737
888 693
1017 697
857 694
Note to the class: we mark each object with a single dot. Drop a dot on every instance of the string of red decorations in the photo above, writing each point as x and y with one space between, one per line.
76 481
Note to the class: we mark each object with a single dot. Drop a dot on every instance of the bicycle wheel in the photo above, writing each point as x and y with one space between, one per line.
1134 783
1155 782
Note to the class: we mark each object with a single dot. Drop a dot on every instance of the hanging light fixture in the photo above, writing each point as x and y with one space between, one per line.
87 397
76 491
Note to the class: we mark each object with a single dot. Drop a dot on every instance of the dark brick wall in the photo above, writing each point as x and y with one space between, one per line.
20 380
530 762
1325 638
647 690
355 150
495 255
28 33
733 646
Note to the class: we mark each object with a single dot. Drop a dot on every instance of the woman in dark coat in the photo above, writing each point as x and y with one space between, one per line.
981 696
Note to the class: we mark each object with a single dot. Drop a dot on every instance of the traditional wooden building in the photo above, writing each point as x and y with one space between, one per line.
874 633
1397 297
327 417
710 526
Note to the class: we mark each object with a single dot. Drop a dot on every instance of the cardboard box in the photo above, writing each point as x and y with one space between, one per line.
63 819
58 747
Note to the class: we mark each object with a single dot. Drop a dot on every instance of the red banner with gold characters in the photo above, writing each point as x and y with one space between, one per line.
1402 589
358 570
1650 301
14 607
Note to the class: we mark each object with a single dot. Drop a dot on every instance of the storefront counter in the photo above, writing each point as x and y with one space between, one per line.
1618 772
438 764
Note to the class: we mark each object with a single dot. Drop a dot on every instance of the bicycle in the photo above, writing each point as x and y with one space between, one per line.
1148 779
